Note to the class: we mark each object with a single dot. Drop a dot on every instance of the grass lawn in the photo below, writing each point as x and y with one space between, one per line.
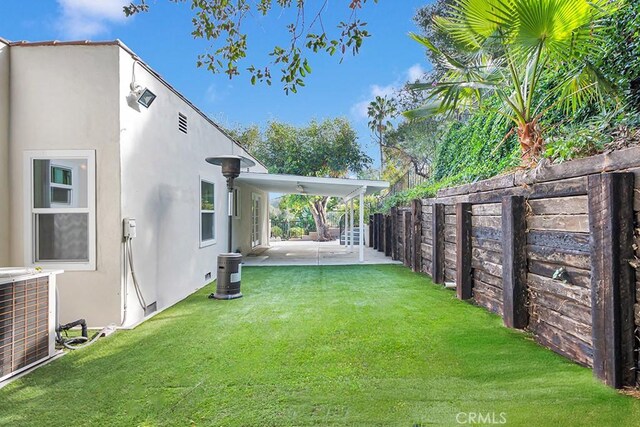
349 345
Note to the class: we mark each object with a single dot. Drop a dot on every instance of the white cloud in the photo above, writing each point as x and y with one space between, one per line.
414 73
88 18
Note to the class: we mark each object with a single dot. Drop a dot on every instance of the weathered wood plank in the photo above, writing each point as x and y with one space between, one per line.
450 252
487 278
489 267
407 243
427 209
450 234
489 303
486 221
576 276
514 265
561 289
464 283
484 255
487 244
576 205
450 220
450 210
564 344
564 257
559 240
563 323
612 278
566 188
607 162
570 308
487 233
449 274
491 209
567 223
502 181
480 287
437 257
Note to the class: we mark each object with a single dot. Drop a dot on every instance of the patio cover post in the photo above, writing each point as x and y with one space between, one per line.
361 221
346 223
351 218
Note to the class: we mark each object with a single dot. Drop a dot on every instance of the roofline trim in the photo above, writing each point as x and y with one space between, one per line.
135 57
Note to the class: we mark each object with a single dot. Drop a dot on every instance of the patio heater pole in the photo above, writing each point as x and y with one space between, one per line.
228 277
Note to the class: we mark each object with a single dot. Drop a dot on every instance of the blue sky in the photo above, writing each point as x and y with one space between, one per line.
162 38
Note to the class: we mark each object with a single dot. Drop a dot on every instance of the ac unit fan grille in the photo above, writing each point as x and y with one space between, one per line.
24 323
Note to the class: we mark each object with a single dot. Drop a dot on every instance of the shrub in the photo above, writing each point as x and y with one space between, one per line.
276 231
296 232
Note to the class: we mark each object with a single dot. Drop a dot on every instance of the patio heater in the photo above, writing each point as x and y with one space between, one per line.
228 276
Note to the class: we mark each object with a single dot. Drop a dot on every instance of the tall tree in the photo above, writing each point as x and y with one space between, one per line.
380 111
324 149
222 23
507 48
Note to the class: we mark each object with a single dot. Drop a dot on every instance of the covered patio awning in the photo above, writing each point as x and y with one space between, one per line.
347 189
310 185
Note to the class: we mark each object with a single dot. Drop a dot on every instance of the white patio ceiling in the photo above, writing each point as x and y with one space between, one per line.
295 184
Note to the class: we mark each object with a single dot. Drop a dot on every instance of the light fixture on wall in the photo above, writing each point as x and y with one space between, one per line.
142 95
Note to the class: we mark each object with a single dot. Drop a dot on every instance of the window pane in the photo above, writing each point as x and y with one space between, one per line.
206 191
208 221
60 195
70 173
60 175
62 237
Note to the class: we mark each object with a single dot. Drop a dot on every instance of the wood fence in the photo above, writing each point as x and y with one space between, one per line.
552 251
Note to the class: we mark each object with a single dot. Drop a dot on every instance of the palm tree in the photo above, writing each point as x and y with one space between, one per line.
380 111
507 48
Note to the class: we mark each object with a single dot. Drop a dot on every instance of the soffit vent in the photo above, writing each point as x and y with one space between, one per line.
182 123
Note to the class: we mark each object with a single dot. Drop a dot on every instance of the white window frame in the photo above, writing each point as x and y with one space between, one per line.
64 186
30 211
206 243
255 197
237 211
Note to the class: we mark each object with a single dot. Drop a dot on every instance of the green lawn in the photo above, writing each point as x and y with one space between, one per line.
350 345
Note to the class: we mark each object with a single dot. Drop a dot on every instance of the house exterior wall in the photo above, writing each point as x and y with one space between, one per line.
4 154
66 98
161 171
242 225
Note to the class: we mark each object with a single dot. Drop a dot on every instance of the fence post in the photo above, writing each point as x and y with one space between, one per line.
388 236
612 277
437 255
464 283
394 233
416 216
381 233
371 228
406 237
514 262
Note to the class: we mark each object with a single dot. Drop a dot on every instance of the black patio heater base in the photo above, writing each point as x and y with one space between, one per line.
225 297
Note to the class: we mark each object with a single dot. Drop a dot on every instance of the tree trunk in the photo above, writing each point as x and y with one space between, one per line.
531 142
318 210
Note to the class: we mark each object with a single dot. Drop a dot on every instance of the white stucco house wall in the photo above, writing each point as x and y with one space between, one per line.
78 155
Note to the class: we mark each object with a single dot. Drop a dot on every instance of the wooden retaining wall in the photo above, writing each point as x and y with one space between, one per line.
553 251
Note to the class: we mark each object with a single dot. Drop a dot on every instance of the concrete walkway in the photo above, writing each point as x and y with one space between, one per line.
296 252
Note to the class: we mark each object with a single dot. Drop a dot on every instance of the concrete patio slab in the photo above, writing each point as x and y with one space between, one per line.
295 252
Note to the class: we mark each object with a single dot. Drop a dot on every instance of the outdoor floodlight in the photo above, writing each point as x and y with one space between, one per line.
142 95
